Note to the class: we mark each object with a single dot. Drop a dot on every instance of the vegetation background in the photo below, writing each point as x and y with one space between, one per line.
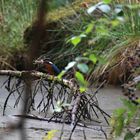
97 39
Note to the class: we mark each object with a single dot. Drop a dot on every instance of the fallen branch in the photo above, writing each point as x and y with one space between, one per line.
36 74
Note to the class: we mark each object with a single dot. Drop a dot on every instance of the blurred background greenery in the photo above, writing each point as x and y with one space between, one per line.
109 30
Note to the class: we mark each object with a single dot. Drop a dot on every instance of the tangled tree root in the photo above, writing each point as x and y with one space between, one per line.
60 100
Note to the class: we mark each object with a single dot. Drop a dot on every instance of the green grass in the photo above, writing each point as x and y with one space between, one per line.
17 15
122 42
72 21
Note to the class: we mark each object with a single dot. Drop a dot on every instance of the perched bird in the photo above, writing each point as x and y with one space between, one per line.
46 66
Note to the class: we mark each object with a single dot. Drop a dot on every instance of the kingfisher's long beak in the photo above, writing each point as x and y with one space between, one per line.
38 61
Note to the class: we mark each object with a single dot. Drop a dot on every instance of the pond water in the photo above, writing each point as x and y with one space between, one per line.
109 99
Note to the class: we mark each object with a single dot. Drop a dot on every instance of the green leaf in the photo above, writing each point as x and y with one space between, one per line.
82 35
83 67
93 58
75 40
79 76
129 136
82 89
107 1
131 107
119 126
138 100
89 28
115 23
50 135
119 122
102 30
79 58
119 112
61 74
70 65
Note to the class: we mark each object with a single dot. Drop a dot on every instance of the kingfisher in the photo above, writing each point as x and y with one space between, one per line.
46 66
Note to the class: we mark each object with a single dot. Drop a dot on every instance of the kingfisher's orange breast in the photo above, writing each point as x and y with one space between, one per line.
49 69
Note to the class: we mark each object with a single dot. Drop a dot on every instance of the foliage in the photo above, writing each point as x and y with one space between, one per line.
107 30
15 21
114 31
124 119
125 36
15 17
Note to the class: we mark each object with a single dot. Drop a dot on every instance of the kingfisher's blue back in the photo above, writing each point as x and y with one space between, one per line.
56 69
47 66
51 68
